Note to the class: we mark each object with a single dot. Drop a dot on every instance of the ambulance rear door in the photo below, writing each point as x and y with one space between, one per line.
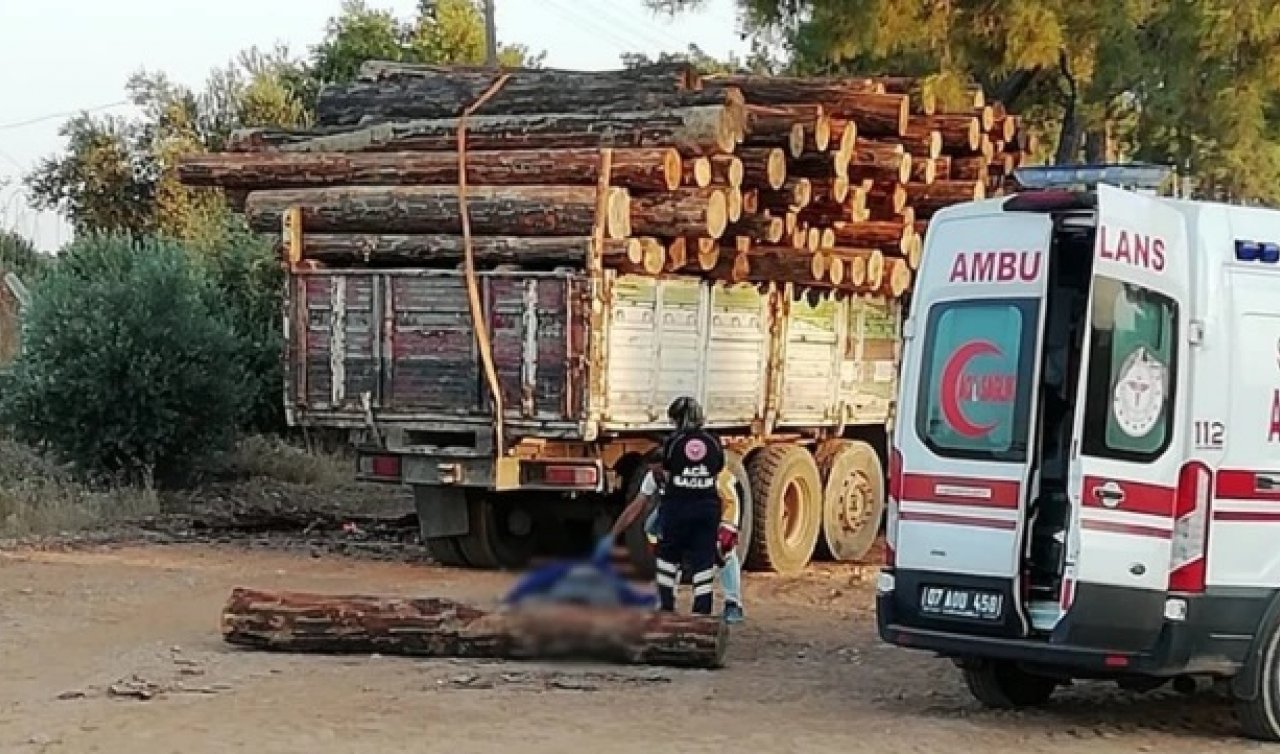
1127 443
963 458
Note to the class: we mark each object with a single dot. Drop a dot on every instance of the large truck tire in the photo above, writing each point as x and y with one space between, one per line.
786 491
1260 715
445 551
853 499
1003 685
501 533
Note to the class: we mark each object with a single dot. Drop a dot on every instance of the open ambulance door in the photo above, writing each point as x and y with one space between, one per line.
1127 438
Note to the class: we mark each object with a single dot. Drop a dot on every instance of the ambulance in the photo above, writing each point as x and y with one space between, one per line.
1084 481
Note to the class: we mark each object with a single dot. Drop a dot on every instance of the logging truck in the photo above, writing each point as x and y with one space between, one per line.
799 385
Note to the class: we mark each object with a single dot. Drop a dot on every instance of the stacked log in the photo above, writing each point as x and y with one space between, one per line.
817 182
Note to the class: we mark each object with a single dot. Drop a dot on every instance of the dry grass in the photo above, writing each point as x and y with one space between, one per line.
38 497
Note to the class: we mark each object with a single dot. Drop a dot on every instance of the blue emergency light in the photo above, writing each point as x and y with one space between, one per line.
1138 176
1256 251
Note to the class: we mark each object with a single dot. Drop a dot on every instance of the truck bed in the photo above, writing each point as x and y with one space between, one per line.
394 350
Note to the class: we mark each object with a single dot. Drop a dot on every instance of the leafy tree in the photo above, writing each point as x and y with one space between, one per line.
758 62
19 256
129 366
442 32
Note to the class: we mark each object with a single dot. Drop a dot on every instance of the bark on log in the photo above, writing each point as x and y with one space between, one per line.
494 210
875 234
671 74
887 199
896 279
826 213
435 627
844 137
751 201
943 168
446 94
926 200
876 114
801 191
969 168
786 90
828 189
762 227
440 250
880 165
696 173
779 265
774 127
763 167
960 133
819 165
923 98
677 255
658 169
727 170
694 131
1005 128
685 212
923 171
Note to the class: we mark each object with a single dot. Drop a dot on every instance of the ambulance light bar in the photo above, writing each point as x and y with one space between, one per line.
1139 176
1254 251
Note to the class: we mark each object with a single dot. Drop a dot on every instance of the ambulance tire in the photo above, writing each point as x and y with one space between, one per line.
502 536
1003 685
786 491
853 499
1260 716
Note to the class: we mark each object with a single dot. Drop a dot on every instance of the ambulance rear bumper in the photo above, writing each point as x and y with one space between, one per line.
1202 644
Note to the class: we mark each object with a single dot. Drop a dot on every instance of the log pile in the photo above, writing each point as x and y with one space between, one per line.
820 182
436 627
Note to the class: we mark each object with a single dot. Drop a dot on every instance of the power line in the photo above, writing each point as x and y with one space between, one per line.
66 114
619 35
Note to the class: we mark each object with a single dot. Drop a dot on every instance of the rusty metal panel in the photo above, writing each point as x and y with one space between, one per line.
737 354
869 368
528 318
810 373
434 365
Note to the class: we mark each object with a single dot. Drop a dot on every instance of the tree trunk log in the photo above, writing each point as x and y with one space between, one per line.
781 265
445 94
944 169
960 133
787 90
800 190
826 213
727 170
696 173
694 131
763 167
774 127
733 204
552 251
887 199
494 210
686 212
897 278
876 114
858 263
829 189
921 140
969 168
923 99
844 136
923 171
875 234
435 627
763 228
658 169
819 165
880 165
926 200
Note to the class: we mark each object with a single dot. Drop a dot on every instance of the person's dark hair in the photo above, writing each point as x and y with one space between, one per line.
686 413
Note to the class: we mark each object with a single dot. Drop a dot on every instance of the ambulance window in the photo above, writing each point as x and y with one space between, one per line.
1129 394
974 400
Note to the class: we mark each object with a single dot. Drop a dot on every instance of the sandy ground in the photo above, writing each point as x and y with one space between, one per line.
805 674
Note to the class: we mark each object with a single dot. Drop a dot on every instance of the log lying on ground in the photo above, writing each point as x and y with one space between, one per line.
375 248
657 169
434 627
692 130
446 95
494 210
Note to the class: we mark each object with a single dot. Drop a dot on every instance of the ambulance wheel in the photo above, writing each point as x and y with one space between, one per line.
1003 685
501 535
1260 716
852 499
786 492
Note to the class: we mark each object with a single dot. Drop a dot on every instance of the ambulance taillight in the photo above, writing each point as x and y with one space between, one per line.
891 516
1191 528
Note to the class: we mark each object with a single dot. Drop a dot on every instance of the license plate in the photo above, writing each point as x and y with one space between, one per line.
950 602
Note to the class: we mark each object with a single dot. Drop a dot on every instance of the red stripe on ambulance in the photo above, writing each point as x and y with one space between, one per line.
1146 499
942 518
1243 485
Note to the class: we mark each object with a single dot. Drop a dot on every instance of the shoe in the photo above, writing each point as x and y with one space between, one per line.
733 613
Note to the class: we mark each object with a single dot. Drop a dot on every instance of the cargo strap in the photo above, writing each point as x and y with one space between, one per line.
479 322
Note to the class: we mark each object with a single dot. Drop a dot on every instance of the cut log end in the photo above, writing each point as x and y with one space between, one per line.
776 168
717 213
836 270
618 213
795 142
697 173
653 257
708 254
733 204
822 132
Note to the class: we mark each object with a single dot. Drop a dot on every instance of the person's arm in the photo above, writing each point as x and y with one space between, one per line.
727 537
648 488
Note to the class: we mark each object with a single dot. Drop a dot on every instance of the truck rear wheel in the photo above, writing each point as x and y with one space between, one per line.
1260 716
852 499
445 551
786 491
501 533
1003 685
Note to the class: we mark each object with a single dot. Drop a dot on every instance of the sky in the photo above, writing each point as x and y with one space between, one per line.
61 56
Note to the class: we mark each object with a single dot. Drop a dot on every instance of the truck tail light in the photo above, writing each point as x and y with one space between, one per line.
891 514
1191 528
380 467
572 476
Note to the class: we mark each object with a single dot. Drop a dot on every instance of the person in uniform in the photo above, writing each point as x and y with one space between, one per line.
690 524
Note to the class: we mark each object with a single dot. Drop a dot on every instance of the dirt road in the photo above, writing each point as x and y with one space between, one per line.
84 633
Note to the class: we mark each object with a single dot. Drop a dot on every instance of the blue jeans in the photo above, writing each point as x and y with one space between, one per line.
730 572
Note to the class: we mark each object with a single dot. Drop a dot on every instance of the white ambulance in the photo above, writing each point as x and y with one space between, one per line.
1085 478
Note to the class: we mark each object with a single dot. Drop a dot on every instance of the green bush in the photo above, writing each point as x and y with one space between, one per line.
130 368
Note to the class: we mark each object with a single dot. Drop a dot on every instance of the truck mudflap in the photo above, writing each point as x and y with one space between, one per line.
1202 634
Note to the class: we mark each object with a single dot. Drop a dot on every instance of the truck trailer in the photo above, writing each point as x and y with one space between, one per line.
799 383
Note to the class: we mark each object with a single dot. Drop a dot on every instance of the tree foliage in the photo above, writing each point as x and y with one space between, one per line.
1187 82
19 256
129 366
758 62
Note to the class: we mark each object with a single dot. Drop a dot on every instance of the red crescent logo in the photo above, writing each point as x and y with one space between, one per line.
950 388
